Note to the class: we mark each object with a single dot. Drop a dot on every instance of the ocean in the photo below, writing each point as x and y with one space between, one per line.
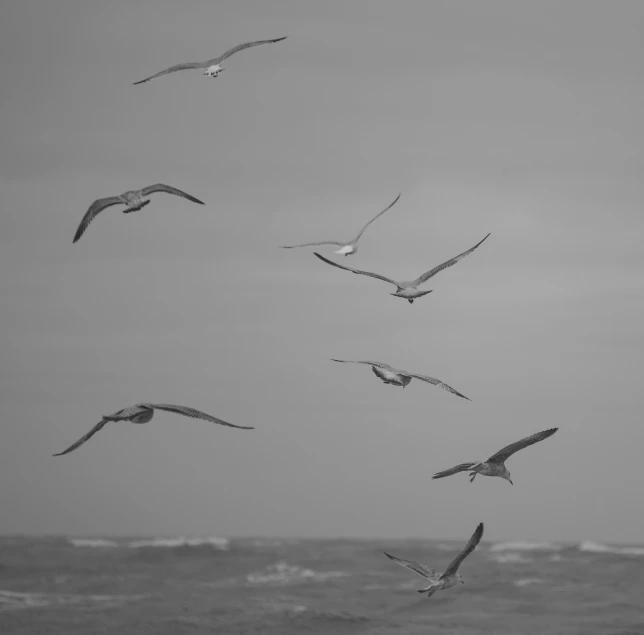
172 586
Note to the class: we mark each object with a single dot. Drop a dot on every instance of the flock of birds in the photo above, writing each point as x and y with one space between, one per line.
142 413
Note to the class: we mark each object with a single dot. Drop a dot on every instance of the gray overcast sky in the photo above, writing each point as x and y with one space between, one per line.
523 119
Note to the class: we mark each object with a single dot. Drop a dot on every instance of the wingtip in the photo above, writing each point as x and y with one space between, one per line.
389 555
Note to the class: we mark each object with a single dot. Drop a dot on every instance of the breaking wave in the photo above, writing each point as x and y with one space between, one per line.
284 573
594 547
511 558
13 600
528 581
522 545
92 542
209 541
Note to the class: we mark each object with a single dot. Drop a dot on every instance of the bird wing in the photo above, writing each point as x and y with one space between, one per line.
377 364
432 272
172 69
195 414
376 216
240 47
363 273
322 242
463 467
502 455
416 567
436 382
97 206
161 187
84 438
469 547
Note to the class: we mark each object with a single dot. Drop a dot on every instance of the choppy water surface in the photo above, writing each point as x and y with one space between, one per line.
212 585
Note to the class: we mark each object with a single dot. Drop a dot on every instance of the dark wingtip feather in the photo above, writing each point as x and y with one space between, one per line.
389 555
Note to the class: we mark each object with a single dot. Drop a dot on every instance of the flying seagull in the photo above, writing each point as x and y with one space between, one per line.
495 465
407 289
213 67
142 413
448 579
395 377
133 200
349 247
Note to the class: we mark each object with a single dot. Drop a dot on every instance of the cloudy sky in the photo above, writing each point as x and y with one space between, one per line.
517 118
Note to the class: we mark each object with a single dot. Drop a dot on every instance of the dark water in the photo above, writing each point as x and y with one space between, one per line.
282 587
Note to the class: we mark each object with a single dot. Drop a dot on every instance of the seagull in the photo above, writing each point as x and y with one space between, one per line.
448 579
213 67
142 413
395 377
495 465
133 200
407 289
347 248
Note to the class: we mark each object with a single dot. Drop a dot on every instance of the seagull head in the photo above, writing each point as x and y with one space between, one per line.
460 578
506 476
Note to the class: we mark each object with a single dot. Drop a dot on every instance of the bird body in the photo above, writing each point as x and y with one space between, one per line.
389 375
396 377
448 579
133 200
142 413
407 289
212 67
349 247
495 465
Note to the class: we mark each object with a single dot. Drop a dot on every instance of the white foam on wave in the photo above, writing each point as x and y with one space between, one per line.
92 542
284 573
209 541
442 546
511 558
594 547
527 581
12 600
523 545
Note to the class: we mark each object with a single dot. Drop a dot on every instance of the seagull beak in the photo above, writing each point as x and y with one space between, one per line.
511 483
462 581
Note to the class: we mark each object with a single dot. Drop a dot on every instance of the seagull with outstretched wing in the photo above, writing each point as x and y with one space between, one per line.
142 413
395 377
407 289
134 200
212 67
495 465
439 582
348 247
